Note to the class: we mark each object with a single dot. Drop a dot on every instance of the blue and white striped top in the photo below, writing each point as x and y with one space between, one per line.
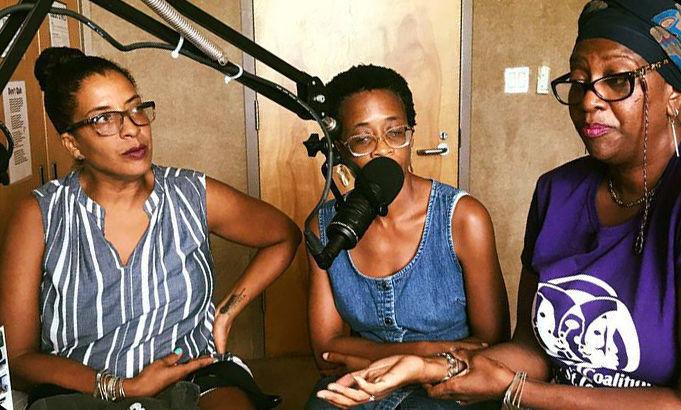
109 316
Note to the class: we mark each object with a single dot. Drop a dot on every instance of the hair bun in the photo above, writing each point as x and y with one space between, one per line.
50 62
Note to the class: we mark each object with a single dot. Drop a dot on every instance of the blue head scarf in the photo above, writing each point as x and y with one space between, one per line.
650 28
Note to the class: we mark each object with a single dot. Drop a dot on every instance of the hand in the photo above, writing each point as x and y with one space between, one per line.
347 362
465 344
221 327
161 373
483 379
375 382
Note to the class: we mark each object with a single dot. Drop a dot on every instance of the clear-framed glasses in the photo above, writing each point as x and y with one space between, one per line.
364 144
111 122
610 88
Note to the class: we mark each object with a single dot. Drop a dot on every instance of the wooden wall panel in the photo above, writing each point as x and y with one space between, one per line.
9 195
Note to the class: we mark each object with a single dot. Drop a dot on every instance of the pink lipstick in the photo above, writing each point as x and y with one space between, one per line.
595 130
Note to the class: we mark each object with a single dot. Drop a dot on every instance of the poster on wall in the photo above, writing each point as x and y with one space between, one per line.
16 120
5 387
59 27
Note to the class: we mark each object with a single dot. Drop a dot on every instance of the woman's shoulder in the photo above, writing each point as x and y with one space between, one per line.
181 179
462 206
174 174
573 172
56 185
443 190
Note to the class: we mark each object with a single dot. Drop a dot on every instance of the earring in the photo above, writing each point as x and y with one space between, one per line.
672 123
342 172
80 157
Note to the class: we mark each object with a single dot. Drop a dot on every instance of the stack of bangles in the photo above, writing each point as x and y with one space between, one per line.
108 387
514 393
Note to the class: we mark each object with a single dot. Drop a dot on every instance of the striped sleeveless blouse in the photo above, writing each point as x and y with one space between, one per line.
120 317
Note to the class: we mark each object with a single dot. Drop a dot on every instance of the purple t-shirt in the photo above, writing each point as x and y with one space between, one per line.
605 316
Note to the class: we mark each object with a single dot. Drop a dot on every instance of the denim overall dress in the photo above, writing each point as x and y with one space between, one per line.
425 300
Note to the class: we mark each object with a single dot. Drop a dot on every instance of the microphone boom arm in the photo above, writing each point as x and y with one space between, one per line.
26 17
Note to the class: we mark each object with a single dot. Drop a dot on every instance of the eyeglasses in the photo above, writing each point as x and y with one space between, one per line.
610 88
364 144
111 122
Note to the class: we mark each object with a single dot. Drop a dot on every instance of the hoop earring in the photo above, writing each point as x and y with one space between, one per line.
672 123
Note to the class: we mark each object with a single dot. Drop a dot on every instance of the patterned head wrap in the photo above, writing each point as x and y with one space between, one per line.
650 28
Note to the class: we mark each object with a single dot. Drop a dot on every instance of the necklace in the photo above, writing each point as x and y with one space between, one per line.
618 201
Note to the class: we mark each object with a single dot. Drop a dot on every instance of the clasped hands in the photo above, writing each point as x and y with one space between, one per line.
483 378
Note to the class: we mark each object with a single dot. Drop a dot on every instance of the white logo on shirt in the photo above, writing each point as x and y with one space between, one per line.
580 321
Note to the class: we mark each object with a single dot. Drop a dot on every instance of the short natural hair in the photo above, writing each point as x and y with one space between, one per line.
366 78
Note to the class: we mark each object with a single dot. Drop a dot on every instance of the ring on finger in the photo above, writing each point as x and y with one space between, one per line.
372 397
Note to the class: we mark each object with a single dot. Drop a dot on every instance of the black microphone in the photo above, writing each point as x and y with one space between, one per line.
376 186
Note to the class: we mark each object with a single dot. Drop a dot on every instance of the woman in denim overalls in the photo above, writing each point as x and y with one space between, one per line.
424 279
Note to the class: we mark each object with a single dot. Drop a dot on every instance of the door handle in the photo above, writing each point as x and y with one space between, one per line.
441 149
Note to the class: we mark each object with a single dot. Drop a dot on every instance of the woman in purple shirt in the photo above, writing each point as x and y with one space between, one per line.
600 288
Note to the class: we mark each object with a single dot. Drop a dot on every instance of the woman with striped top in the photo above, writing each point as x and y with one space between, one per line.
106 276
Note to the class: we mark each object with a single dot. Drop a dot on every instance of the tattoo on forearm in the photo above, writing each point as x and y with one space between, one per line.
233 300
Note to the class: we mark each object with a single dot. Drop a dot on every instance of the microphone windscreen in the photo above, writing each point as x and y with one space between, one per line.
385 174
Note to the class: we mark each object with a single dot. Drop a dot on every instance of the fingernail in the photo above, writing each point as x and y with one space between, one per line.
321 395
485 344
178 351
332 387
325 355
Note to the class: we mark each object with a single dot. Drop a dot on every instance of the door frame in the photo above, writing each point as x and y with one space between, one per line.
251 103
251 109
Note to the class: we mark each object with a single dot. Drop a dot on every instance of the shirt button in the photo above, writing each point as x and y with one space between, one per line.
388 321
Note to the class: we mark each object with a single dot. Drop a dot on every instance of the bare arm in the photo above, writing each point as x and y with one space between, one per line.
523 352
20 276
487 302
239 218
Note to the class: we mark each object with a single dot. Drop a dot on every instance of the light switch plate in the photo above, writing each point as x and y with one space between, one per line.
516 80
543 79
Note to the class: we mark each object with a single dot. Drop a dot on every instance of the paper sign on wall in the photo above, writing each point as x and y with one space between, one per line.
16 120
59 27
5 386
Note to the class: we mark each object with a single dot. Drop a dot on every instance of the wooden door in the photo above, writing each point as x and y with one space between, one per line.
418 38
9 195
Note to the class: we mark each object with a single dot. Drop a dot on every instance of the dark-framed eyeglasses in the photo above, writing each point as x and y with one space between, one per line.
364 144
111 122
610 88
